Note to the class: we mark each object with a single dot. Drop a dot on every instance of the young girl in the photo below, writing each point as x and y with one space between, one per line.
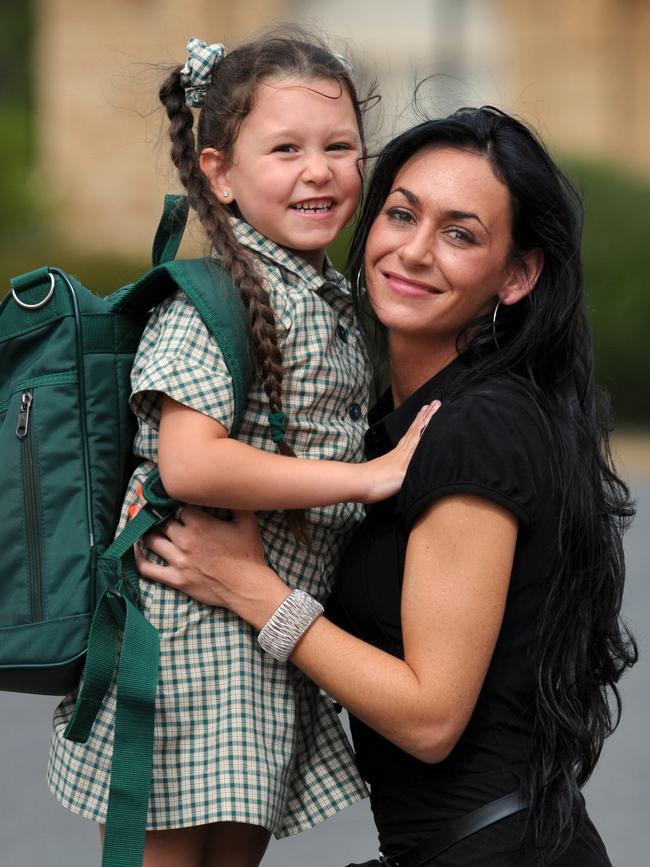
246 745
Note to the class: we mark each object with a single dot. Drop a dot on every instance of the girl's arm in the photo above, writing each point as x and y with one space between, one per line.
457 571
200 464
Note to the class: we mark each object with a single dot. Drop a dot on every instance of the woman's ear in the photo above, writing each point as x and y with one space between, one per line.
523 275
212 165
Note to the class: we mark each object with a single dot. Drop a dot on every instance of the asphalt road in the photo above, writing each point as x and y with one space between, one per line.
36 832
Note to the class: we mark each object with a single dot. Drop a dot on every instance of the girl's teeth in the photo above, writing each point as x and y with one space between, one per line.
313 208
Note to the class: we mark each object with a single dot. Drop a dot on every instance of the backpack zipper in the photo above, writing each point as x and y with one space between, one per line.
30 489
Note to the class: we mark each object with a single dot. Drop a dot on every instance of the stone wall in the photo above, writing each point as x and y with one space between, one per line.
103 155
580 70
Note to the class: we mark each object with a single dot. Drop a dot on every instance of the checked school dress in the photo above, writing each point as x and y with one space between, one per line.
239 736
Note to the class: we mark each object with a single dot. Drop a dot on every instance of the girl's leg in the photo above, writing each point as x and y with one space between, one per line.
181 847
235 844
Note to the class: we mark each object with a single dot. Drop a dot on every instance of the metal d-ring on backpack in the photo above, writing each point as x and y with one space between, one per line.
68 590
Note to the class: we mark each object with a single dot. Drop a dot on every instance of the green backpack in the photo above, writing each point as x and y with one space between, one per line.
69 591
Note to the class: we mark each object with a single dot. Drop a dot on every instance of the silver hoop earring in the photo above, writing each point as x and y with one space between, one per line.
359 273
494 325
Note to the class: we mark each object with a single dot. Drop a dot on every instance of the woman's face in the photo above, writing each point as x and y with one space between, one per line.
437 253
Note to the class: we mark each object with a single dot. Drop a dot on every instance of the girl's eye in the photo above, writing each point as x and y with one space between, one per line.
339 146
285 149
399 215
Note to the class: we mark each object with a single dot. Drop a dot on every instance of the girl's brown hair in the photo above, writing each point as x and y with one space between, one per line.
228 100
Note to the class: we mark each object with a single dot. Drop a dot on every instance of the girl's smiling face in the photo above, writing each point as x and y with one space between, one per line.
295 168
438 253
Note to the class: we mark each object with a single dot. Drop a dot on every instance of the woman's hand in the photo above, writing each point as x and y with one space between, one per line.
383 476
216 562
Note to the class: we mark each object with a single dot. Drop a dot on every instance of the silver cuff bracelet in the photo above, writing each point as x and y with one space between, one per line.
288 623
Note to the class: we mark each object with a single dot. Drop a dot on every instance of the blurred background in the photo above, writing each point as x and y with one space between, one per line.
84 168
84 148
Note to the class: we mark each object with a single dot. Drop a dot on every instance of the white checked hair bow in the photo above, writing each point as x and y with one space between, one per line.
195 75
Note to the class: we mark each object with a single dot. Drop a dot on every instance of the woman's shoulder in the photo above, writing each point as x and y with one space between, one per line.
506 407
487 439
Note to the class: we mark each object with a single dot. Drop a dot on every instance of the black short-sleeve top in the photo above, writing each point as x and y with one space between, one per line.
489 440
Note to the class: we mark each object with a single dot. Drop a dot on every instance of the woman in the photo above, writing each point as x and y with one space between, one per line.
478 628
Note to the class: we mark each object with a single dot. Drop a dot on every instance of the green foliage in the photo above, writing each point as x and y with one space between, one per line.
102 274
15 51
616 253
16 139
19 209
338 251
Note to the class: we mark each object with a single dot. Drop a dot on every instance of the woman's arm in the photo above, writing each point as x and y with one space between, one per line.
457 571
456 577
200 464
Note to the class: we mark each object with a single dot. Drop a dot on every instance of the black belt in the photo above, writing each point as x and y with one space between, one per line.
458 829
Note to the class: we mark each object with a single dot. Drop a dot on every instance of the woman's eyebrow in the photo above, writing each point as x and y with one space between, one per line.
408 195
466 215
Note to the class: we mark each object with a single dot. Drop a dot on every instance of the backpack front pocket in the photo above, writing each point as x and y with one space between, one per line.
43 524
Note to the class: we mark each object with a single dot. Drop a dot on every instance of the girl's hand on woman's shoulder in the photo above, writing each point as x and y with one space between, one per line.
383 476
216 562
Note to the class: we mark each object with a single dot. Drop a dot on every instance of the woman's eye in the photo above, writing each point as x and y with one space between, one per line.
399 215
462 235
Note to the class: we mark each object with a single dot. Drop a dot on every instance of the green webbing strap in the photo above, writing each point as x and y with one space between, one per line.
137 680
170 229
31 279
101 658
135 529
102 649
128 798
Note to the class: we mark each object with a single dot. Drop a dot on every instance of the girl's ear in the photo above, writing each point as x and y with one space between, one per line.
213 167
523 276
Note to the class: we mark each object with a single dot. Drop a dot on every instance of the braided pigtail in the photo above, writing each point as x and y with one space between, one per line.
267 357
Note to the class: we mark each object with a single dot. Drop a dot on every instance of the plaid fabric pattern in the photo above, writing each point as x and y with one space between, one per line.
195 75
239 736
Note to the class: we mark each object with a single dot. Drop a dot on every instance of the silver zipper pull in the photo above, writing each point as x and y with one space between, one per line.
23 416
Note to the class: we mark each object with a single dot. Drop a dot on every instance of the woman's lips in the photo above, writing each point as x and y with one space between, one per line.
406 286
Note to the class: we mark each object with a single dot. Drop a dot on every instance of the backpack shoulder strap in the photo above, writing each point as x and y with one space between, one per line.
210 289
170 229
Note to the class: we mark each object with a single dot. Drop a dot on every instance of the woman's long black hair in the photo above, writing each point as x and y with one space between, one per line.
581 648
